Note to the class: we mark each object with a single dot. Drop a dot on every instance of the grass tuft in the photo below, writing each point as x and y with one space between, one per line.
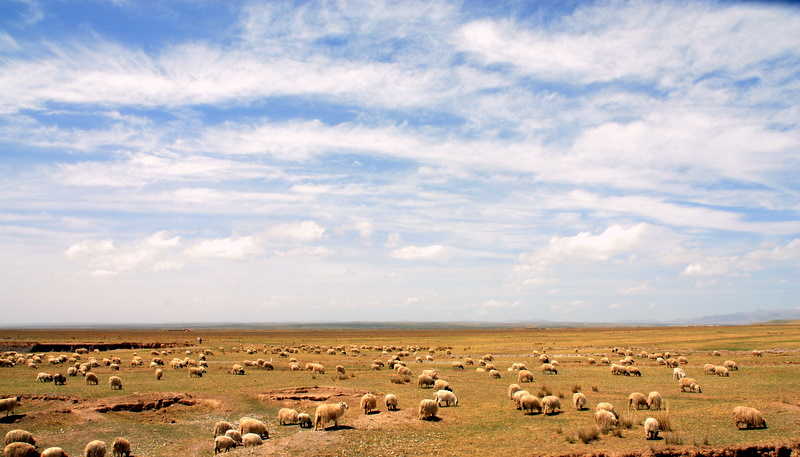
595 388
576 388
588 434
626 420
664 420
543 391
673 438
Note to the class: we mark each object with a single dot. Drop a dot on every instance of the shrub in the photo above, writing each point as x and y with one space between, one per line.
544 391
664 421
588 434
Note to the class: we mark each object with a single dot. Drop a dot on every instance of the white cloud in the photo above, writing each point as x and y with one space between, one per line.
585 247
303 232
234 248
634 290
614 306
738 265
433 252
104 259
393 240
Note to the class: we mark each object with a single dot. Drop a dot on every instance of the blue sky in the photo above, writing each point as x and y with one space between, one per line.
397 161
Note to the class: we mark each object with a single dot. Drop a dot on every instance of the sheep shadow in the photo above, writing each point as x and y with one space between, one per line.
554 413
372 413
432 419
338 427
12 418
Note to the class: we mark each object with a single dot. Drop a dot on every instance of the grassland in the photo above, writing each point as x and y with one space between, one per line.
484 421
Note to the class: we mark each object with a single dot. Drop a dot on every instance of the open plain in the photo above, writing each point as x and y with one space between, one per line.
175 415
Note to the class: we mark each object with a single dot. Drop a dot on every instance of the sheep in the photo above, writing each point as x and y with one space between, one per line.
329 412
654 401
512 389
159 374
54 452
72 371
441 384
250 425
8 404
340 369
252 439
428 409
683 360
457 365
424 381
517 398
494 374
431 373
91 379
721 371
579 400
44 377
315 368
651 428
749 417
549 368
731 365
304 419
223 443
445 396
115 383
195 372
757 353
552 403
95 448
632 371
617 370
606 420
287 416
529 403
237 369
525 376
59 379
121 447
709 368
591 361
635 400
235 436
391 402
605 406
369 403
20 450
678 373
691 384
221 427
20 436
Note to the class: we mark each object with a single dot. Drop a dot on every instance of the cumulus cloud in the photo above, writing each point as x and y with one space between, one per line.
585 247
433 252
233 248
102 258
739 265
302 232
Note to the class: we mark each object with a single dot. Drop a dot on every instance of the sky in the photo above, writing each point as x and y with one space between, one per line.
328 161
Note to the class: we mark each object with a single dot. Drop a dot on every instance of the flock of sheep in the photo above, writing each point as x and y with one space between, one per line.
252 432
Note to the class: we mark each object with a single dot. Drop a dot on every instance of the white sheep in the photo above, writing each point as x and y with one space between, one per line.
549 368
252 439
524 376
250 425
606 420
512 389
605 406
20 450
494 374
690 384
223 443
651 428
721 371
391 402
579 400
552 403
678 373
424 381
731 365
305 421
20 436
517 397
159 374
54 452
428 409
654 401
8 404
445 396
235 436
749 417
195 372
636 401
287 416
95 448
91 379
617 370
121 447
220 427
329 412
529 403
632 371
44 377
115 382
369 403
709 368
441 384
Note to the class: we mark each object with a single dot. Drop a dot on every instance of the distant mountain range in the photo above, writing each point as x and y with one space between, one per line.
752 317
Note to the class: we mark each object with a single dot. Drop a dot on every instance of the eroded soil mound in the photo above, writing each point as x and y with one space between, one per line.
745 450
143 402
314 394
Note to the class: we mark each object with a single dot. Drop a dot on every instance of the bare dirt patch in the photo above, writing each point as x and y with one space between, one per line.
309 396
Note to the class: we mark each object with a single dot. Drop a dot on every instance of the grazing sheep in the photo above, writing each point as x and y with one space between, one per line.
549 368
579 400
606 420
690 384
512 389
431 373
221 427
44 377
237 369
91 379
115 382
445 396
651 428
223 443
749 417
340 369
95 448
54 452
517 398
72 371
195 372
428 409
20 436
637 400
458 365
632 371
159 374
469 361
525 376
391 402
721 371
757 353
304 419
369 403
250 425
605 406
654 401
683 360
287 416
494 374
121 447
731 365
315 368
252 439
441 384
424 381
552 403
529 403
59 379
8 404
329 412
678 373
709 368
617 370
235 436
20 450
